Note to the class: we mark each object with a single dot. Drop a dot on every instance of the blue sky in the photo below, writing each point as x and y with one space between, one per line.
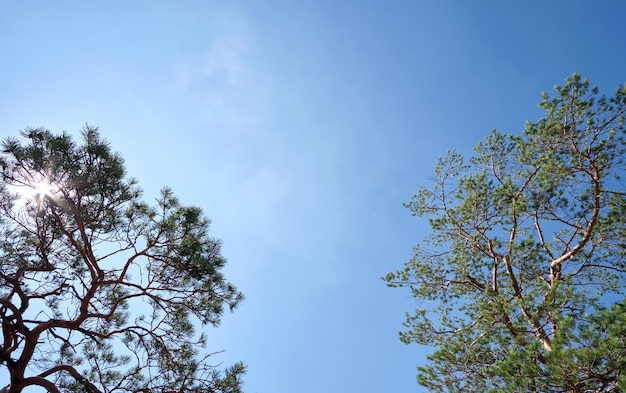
300 127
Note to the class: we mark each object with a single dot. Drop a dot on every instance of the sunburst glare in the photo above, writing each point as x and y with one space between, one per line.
38 189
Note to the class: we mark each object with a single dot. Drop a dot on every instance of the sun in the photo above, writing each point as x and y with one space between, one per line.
40 189
43 188
35 190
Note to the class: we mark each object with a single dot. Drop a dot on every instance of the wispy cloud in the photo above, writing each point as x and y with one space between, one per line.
224 87
225 94
273 193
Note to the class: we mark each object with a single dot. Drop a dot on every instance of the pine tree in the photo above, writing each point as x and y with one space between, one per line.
521 279
100 291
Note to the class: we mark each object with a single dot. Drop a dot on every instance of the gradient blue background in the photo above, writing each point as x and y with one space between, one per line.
301 127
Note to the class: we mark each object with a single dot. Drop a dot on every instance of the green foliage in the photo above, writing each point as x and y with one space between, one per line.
521 277
100 291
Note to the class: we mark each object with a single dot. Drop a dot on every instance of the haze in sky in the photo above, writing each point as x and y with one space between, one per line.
300 127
